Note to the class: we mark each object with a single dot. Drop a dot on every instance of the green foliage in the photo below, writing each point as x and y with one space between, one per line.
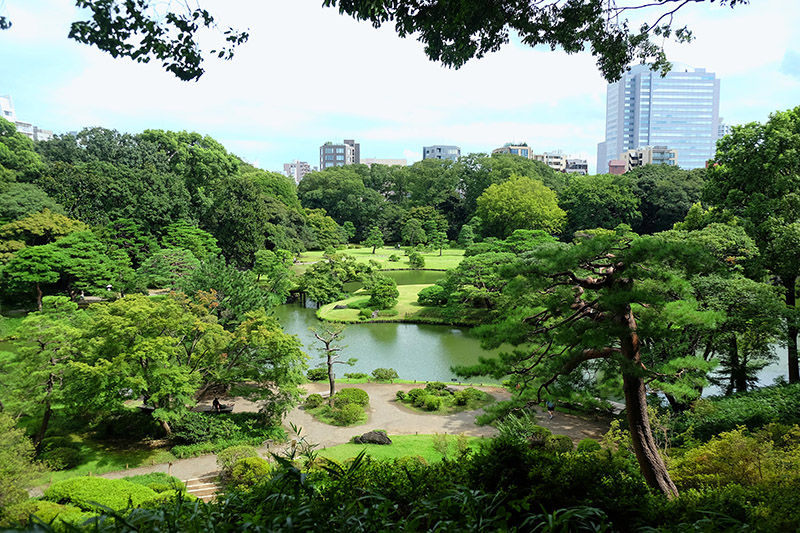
432 403
365 313
351 395
95 493
248 471
201 427
400 395
61 458
183 235
313 401
588 446
754 409
46 511
433 296
355 375
167 267
604 201
160 479
374 238
520 203
384 374
415 260
394 258
560 444
17 466
317 374
227 458
383 292
348 414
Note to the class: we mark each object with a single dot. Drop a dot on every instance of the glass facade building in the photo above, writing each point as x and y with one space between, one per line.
679 111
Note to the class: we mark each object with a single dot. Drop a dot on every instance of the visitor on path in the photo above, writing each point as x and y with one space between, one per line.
216 405
551 407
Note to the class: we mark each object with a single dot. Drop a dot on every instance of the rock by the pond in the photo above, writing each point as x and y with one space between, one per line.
374 314
340 306
373 437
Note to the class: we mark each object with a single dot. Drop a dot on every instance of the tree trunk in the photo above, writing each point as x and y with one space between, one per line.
332 382
373 248
792 330
165 427
37 441
644 445
738 381
39 295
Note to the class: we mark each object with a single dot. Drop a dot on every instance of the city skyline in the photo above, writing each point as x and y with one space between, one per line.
397 100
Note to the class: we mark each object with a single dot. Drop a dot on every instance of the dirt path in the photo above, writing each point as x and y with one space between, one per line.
385 413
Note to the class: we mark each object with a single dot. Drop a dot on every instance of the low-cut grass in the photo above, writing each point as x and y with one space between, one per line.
450 258
100 458
408 310
402 446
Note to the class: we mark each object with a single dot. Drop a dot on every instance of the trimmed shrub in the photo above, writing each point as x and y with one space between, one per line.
415 260
355 375
92 493
168 497
413 394
227 458
400 395
249 471
61 458
394 258
559 444
432 403
588 446
351 396
388 312
365 313
160 479
420 399
130 424
201 427
50 443
46 511
384 374
317 374
438 388
433 296
313 401
347 415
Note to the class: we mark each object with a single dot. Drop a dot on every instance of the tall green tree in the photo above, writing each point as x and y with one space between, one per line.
604 201
374 238
413 232
18 469
756 176
520 203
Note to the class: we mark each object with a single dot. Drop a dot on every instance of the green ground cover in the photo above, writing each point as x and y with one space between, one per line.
424 446
450 258
408 310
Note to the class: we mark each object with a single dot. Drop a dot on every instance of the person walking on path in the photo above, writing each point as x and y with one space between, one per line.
551 407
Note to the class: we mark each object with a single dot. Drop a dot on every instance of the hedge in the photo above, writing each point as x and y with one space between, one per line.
94 493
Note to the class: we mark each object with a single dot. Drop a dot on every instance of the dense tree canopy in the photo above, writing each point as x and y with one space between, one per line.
520 203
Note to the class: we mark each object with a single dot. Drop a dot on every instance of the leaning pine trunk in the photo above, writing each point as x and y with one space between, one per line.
644 445
792 331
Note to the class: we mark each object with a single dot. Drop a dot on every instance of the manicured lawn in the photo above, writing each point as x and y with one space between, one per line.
99 458
450 258
402 446
408 310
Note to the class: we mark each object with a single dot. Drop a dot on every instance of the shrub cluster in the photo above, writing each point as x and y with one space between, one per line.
349 405
317 374
95 493
437 396
384 374
200 433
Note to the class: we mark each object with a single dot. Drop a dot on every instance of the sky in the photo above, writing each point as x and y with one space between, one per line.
308 75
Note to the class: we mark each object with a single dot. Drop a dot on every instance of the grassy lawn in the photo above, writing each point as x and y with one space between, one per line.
99 458
450 258
402 446
408 310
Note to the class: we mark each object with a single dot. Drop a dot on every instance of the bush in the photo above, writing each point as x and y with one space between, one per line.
415 260
347 415
202 427
351 396
559 444
365 313
313 401
388 312
249 471
394 258
433 296
384 374
130 424
588 446
400 395
92 493
355 375
46 511
157 481
61 458
432 403
59 442
438 388
227 458
317 374
413 394
168 497
468 395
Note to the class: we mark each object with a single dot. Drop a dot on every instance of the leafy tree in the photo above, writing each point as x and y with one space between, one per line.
183 235
18 160
126 235
37 265
272 184
438 239
349 229
262 353
166 267
413 231
18 470
383 292
666 193
756 176
327 231
466 236
18 200
520 203
415 259
604 201
34 375
324 281
586 306
328 335
240 220
276 266
40 228
161 350
374 238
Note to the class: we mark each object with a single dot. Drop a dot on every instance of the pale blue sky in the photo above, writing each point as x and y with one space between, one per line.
274 102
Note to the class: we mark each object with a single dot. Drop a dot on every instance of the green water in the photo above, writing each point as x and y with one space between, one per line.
416 351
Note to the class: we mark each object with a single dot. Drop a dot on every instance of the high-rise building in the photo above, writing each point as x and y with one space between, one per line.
8 112
296 170
440 151
337 155
679 111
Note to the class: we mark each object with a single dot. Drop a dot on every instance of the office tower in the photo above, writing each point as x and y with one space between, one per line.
440 151
337 155
679 111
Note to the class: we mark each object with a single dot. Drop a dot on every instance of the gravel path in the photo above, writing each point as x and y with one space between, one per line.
385 413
